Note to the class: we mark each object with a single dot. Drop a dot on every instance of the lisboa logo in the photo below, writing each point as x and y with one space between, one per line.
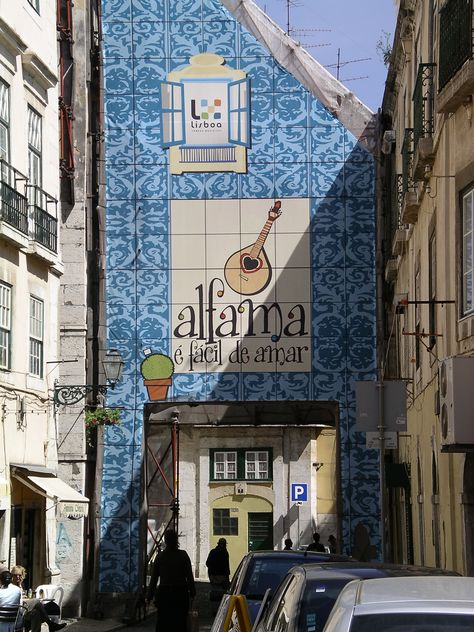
209 117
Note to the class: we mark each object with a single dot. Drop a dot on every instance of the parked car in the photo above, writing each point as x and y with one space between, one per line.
399 604
262 570
307 594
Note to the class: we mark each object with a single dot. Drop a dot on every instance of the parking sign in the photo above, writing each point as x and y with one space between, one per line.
299 492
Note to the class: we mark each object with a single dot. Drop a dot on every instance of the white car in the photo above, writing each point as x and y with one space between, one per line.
404 604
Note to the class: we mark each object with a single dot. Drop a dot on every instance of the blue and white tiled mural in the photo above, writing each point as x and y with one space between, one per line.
167 230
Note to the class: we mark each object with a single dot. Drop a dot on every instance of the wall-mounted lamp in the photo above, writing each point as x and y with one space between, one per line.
71 394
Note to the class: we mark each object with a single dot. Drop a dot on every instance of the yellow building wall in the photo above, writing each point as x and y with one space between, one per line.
437 517
326 473
240 507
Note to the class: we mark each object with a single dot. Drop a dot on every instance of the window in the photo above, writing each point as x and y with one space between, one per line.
35 4
36 336
467 252
4 121
35 167
241 464
223 524
5 325
256 465
225 465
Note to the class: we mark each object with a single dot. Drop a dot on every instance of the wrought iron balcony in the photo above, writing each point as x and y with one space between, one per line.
456 54
423 123
44 225
423 103
408 150
400 229
13 201
411 203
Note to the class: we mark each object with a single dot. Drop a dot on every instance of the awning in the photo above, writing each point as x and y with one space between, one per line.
71 503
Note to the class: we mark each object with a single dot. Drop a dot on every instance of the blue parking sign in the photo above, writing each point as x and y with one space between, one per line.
299 492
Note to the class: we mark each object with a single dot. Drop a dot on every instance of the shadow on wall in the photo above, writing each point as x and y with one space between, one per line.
363 550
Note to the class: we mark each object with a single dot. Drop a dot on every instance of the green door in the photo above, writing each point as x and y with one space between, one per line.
260 530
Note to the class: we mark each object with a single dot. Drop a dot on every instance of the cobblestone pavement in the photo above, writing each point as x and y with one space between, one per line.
108 625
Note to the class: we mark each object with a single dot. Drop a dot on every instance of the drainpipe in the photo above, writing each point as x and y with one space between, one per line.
380 320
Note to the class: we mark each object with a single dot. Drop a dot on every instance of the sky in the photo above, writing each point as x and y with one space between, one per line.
352 27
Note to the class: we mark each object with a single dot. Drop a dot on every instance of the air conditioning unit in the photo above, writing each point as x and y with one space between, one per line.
456 403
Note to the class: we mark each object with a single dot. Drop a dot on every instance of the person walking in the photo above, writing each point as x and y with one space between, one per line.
176 589
332 543
288 544
10 597
217 563
316 544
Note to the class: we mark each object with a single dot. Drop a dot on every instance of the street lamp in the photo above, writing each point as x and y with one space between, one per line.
74 393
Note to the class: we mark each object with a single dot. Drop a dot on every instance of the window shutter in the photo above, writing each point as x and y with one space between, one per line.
239 112
172 113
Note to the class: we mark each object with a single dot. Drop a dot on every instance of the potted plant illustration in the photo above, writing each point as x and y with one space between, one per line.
157 370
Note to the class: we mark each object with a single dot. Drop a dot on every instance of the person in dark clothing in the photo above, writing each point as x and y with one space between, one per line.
176 589
218 570
332 543
316 544
288 544
217 564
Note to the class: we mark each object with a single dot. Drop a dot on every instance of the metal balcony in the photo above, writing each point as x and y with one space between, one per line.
423 103
13 201
408 150
423 123
411 204
44 225
401 230
456 54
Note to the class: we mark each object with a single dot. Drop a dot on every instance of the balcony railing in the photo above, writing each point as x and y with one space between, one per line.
13 201
456 38
399 201
423 103
408 183
44 225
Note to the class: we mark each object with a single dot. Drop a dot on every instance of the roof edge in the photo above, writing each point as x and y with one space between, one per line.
341 102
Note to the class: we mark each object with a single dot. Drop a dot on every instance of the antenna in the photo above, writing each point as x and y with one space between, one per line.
340 63
290 3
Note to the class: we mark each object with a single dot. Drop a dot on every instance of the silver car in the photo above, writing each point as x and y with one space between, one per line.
404 604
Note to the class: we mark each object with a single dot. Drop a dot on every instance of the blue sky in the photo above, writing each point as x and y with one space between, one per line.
355 27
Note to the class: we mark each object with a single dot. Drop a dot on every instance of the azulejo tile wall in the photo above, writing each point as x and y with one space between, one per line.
298 150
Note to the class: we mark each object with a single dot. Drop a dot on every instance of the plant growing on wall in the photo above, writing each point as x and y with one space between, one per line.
102 417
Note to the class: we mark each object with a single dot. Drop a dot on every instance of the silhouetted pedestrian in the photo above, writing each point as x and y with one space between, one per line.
176 589
288 544
316 544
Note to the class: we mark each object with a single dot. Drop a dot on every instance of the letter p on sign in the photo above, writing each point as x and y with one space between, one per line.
299 492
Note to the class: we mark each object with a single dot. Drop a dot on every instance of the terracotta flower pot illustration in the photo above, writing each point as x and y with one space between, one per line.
158 389
157 370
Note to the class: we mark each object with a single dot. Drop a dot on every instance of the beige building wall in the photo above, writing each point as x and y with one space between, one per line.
426 254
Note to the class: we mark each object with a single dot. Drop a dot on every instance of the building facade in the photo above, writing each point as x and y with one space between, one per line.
37 501
240 288
428 179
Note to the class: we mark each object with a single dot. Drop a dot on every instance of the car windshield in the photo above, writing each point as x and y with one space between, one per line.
318 599
413 622
266 573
